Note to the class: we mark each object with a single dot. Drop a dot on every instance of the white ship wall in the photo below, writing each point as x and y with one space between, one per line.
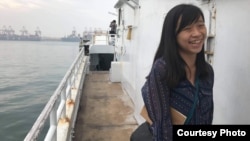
231 62
230 46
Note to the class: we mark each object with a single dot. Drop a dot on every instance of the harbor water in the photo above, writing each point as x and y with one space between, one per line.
30 72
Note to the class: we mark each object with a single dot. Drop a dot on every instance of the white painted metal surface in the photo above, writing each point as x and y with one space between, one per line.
227 50
115 72
62 116
96 49
231 62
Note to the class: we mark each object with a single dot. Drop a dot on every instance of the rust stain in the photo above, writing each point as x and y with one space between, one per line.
70 102
64 120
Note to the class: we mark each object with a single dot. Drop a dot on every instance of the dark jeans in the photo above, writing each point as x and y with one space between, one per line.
112 32
142 133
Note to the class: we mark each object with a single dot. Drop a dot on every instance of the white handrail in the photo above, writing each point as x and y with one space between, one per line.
72 80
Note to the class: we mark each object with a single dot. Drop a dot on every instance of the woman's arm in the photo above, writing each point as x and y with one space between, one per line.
156 95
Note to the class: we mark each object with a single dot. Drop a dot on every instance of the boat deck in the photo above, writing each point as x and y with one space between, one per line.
105 110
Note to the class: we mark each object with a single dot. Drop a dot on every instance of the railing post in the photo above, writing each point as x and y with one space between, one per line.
52 133
68 95
63 98
53 123
75 74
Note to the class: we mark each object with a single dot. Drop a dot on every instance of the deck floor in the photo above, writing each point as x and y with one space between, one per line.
105 112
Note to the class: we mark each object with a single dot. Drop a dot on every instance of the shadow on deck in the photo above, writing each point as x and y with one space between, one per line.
105 111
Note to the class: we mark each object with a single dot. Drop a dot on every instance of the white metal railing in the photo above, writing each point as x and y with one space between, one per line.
112 39
103 38
63 114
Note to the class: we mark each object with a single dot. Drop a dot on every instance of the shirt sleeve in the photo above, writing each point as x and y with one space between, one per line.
211 82
156 95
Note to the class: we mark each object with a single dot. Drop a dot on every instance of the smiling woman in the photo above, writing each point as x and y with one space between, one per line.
179 76
190 40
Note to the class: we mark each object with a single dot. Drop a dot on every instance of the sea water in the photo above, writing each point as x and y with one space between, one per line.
30 72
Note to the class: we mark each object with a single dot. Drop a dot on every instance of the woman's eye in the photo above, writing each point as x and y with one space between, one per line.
201 25
187 28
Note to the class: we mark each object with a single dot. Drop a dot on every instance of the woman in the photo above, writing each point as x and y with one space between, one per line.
178 73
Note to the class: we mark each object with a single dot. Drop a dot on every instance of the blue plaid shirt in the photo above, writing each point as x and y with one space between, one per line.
158 98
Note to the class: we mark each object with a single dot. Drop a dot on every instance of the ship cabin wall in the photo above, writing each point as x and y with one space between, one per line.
126 50
231 62
228 41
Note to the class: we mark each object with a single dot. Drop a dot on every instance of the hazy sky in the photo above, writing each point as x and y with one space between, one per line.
56 18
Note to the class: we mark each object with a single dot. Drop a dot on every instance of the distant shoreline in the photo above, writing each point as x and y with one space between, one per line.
42 39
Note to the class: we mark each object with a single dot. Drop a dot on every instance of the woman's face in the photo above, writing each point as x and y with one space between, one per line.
192 37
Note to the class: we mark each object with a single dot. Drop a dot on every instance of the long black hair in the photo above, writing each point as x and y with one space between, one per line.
168 47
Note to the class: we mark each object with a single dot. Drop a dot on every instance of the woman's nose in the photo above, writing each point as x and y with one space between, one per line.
196 31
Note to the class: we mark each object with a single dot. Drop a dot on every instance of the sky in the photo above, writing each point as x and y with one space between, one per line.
57 18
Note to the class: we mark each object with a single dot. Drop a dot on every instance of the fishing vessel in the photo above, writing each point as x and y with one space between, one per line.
138 33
